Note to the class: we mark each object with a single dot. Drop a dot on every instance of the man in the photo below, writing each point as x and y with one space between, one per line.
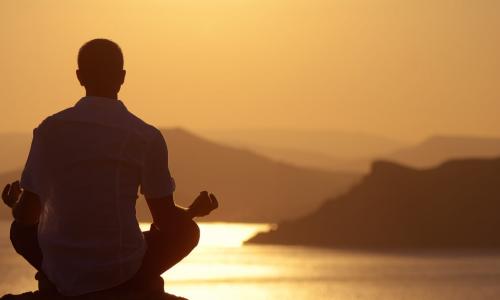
75 219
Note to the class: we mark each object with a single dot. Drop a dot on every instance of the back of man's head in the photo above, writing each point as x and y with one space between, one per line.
100 55
100 64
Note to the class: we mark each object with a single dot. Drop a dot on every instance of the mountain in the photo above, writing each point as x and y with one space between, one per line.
304 158
431 152
454 205
342 156
250 187
354 152
331 143
438 149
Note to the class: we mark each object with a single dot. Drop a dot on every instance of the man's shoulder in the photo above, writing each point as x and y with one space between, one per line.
52 119
142 127
124 118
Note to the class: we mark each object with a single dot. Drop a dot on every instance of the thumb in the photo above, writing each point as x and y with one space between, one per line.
5 192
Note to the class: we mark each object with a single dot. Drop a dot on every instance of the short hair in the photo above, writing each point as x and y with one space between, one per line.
100 55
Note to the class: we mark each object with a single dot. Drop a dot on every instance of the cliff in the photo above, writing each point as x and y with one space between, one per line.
454 205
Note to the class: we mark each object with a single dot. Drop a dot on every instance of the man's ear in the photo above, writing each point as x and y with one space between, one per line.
122 76
79 75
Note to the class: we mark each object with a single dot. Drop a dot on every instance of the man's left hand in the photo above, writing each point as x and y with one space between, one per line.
203 205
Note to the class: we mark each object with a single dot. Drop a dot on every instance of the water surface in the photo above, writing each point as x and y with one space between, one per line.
221 268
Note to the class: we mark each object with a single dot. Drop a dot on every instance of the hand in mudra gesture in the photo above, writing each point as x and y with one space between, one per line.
11 193
203 205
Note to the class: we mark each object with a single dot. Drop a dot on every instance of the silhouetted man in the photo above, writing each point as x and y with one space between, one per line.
75 219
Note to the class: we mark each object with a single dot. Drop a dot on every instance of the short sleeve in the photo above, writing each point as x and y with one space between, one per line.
156 181
31 178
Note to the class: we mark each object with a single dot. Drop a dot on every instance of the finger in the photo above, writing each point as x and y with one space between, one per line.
215 203
15 189
5 193
16 185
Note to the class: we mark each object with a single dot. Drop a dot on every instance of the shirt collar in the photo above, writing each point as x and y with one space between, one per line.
100 102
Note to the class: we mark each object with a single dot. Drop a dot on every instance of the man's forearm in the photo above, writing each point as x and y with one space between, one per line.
165 212
185 211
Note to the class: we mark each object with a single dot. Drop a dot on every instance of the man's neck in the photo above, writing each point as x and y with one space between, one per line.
109 95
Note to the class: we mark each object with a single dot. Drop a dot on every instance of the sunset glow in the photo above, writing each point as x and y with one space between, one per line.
427 66
325 149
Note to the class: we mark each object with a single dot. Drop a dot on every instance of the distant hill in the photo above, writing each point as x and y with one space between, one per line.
304 158
438 149
354 152
250 187
327 143
431 152
454 205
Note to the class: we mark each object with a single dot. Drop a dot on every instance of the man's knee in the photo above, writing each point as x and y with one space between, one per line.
183 236
192 234
18 236
188 236
23 236
25 241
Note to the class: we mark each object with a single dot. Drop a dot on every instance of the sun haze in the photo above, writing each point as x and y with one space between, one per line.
403 69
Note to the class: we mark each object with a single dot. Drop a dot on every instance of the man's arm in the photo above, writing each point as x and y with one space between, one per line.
165 212
157 183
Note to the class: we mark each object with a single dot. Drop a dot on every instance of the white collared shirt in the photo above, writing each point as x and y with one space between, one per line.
86 163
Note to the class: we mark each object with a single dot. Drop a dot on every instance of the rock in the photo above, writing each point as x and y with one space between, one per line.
120 296
453 206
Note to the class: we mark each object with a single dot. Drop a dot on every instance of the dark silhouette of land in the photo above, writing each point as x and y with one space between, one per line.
452 206
103 296
260 189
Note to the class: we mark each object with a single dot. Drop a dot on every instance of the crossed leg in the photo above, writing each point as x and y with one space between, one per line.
164 250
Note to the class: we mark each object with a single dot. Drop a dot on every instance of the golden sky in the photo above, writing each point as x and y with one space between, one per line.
403 69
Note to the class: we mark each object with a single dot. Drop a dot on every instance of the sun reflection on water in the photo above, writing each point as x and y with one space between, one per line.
219 258
226 234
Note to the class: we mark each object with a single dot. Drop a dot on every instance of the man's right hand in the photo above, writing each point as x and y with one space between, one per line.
11 193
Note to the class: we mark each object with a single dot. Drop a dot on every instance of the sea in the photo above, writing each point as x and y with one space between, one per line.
222 267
